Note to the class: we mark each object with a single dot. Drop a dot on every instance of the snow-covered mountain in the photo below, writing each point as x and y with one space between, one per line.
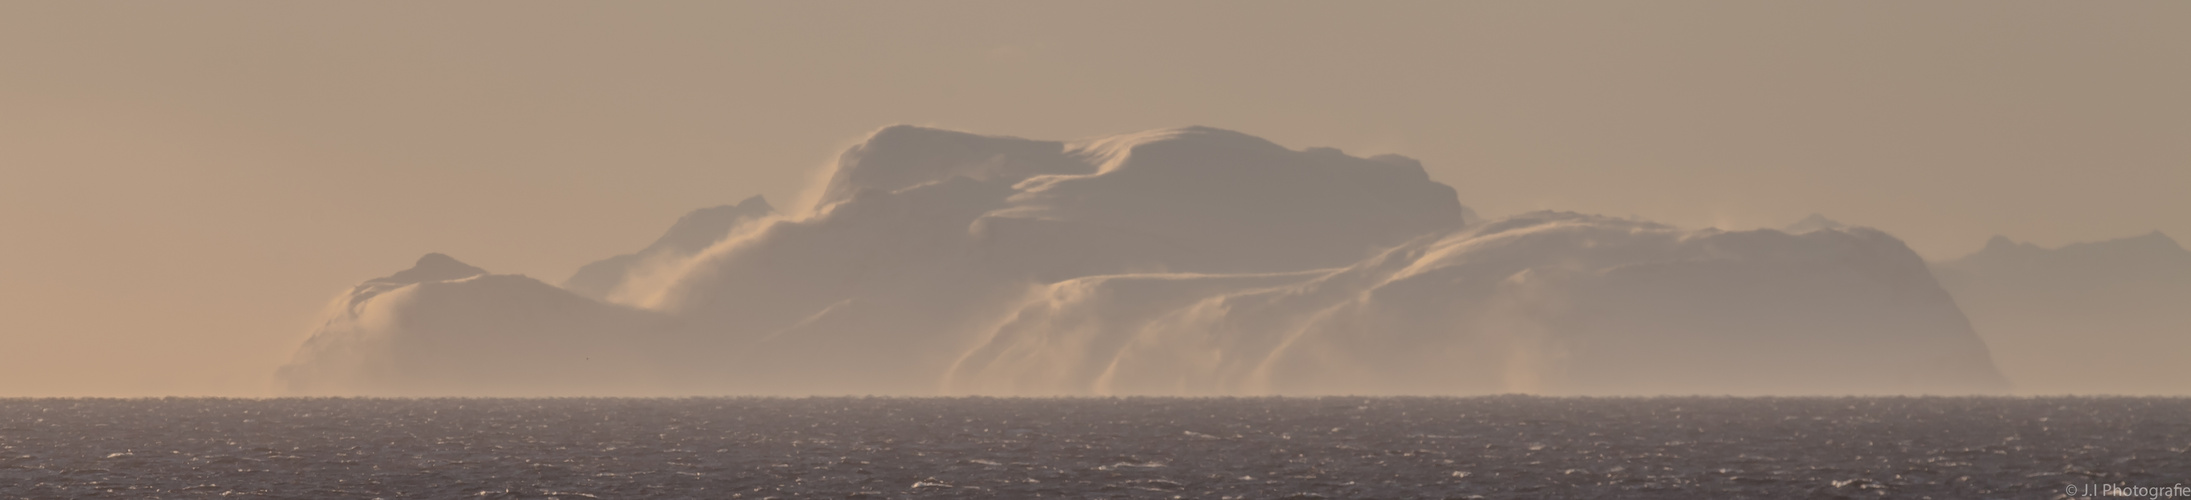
1178 261
1813 223
1544 302
444 328
692 233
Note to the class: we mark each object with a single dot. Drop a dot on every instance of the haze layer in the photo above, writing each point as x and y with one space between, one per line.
1182 261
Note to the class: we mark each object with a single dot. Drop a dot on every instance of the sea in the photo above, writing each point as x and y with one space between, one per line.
1204 448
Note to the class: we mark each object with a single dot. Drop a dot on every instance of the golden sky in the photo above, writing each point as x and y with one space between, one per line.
184 185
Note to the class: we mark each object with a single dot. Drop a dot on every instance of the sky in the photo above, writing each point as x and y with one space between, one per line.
184 187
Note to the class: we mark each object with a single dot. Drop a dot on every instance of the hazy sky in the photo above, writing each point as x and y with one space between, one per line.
183 187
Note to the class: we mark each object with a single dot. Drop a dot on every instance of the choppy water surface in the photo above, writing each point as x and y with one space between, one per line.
1492 447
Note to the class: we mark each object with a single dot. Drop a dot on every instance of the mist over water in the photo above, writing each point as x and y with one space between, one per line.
1334 447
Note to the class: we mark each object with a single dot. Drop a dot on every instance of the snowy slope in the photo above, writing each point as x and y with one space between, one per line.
1177 261
1543 302
443 328
691 234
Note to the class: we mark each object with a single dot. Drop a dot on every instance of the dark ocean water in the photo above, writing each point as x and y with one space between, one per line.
1492 447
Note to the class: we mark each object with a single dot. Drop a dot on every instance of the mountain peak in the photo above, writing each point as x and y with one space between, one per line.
1196 138
2157 239
2148 245
436 259
693 232
2128 252
433 267
698 229
902 156
1813 223
756 205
